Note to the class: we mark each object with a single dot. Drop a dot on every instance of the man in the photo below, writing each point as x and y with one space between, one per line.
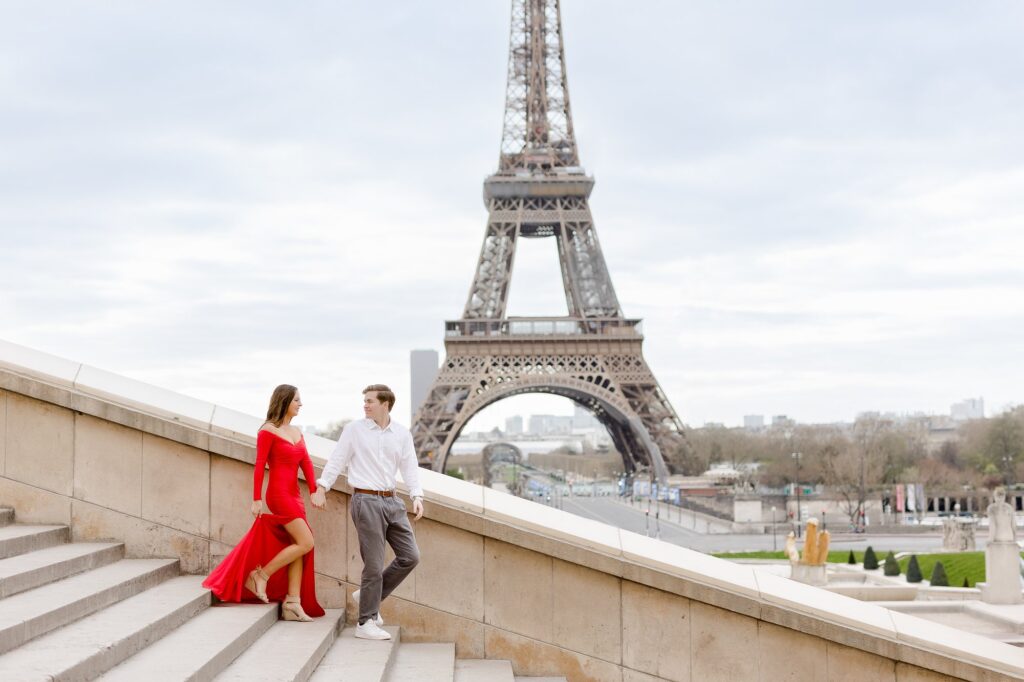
372 450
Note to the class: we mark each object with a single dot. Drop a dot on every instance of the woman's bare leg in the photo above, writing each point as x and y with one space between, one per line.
295 576
303 538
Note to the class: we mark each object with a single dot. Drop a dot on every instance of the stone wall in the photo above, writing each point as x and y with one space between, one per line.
500 576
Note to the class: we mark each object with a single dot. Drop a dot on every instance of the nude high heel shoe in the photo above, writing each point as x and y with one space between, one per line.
291 609
253 586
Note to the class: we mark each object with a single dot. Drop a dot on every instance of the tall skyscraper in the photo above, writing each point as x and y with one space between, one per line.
422 370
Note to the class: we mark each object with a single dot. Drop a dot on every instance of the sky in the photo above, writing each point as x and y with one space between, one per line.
816 208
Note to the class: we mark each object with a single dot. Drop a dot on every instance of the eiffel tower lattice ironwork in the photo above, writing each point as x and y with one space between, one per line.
593 355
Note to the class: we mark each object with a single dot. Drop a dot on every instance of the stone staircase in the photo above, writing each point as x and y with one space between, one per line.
81 611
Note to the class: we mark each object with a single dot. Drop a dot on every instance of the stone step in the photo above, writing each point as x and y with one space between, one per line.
202 647
19 539
287 651
424 663
482 670
539 679
6 516
36 612
358 660
28 571
96 643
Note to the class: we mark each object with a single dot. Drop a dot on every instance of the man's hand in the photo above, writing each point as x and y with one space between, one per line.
417 508
319 498
256 507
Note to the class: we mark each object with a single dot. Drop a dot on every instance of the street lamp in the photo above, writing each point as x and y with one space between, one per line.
774 546
796 456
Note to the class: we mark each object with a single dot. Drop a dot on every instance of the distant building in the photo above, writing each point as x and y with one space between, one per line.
550 425
781 421
969 408
514 425
423 366
582 419
753 421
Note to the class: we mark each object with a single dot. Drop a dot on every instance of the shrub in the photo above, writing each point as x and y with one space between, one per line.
851 559
870 560
914 570
939 578
892 567
966 584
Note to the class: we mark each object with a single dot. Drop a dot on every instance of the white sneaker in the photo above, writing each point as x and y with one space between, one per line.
376 619
369 630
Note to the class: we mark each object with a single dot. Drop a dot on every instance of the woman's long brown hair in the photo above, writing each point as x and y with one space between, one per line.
279 402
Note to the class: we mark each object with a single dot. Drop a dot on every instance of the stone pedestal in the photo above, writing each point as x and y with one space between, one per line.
965 534
1002 574
746 509
812 575
958 534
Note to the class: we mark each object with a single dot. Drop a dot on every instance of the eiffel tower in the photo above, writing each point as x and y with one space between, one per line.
593 355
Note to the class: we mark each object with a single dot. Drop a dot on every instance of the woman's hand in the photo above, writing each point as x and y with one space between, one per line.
257 507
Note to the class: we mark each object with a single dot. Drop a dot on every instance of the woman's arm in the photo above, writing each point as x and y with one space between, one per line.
264 439
307 469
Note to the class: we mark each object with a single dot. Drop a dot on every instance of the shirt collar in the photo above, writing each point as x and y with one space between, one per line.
374 426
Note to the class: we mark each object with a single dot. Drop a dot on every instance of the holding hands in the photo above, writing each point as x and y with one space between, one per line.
319 498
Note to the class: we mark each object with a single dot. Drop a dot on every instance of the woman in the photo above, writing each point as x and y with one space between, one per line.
283 537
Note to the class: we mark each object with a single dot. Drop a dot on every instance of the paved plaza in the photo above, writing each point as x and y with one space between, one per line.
633 518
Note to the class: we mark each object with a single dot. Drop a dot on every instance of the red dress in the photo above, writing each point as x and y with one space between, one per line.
268 536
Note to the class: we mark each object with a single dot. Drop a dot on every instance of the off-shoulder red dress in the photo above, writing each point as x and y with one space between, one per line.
268 536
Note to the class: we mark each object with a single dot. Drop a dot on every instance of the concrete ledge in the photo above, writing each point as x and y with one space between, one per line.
540 539
876 592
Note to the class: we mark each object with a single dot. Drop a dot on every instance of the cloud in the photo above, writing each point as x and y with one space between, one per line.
815 208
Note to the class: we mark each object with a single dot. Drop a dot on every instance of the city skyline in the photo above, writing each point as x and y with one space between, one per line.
271 196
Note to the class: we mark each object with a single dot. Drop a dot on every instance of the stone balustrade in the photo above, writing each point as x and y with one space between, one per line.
500 576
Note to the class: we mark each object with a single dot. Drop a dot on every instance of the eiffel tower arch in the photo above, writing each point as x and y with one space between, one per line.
593 355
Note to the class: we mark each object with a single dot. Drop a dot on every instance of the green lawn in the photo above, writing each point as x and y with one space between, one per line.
958 565
835 557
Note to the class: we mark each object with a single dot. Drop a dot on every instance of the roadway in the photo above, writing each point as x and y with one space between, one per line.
619 514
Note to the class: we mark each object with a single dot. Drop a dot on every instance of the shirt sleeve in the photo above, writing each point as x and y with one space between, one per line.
340 456
264 439
410 467
307 469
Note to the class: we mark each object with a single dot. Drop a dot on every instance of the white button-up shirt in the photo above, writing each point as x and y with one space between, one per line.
372 455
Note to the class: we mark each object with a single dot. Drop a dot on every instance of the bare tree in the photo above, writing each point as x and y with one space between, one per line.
1004 442
333 429
850 470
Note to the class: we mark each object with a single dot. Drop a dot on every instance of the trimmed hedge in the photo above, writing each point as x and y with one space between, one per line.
939 578
870 560
892 567
914 571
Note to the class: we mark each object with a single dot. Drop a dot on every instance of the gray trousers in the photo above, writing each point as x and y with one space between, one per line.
378 520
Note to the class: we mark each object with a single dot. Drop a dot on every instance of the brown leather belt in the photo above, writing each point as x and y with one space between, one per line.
381 493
